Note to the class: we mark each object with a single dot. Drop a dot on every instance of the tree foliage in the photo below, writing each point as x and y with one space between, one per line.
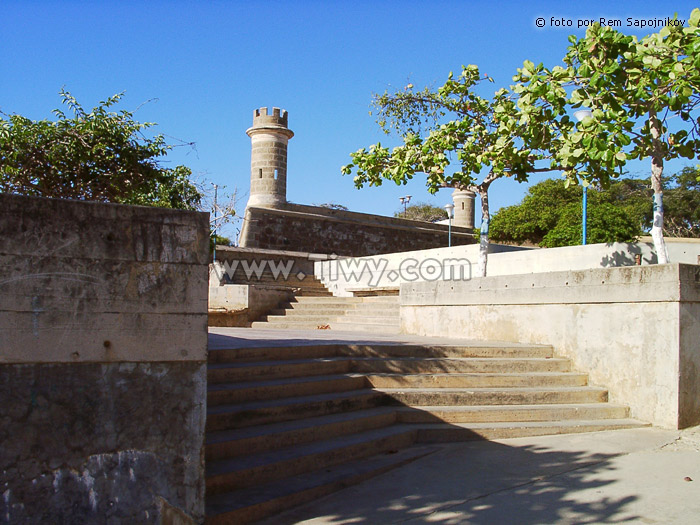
422 211
643 93
449 125
682 204
99 155
550 214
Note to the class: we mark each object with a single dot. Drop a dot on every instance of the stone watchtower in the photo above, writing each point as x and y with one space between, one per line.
464 208
268 161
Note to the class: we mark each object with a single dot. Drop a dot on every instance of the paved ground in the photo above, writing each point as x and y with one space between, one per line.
629 476
224 337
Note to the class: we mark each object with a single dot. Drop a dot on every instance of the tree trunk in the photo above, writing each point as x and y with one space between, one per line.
484 232
657 170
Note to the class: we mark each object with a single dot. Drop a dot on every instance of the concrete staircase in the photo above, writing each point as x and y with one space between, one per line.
377 314
286 425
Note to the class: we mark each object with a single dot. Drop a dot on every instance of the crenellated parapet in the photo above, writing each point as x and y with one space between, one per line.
277 119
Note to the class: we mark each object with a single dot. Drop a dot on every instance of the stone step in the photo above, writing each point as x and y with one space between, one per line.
306 292
300 318
340 309
310 309
242 392
256 371
329 300
326 324
443 433
251 440
459 365
255 503
254 469
373 312
223 417
259 370
495 396
480 380
313 351
510 413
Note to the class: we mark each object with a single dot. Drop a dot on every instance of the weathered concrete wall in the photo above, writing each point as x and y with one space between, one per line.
343 275
461 263
634 330
103 312
303 228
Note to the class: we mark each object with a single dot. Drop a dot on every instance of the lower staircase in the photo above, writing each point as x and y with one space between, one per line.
287 425
373 314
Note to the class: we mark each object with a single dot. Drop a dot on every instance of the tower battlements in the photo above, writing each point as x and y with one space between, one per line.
277 119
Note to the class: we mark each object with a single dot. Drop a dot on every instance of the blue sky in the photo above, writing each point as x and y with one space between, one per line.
206 66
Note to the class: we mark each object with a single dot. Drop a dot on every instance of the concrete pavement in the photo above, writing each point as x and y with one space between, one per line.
233 337
625 476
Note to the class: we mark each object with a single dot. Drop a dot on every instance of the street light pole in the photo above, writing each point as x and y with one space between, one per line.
580 115
405 200
450 211
216 192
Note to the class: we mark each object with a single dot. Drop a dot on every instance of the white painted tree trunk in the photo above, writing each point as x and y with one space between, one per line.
657 170
484 232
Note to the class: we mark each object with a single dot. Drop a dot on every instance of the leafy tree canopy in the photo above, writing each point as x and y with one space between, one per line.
644 101
422 211
550 214
99 155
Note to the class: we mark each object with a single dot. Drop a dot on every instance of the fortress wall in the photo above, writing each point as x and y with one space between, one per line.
103 337
316 229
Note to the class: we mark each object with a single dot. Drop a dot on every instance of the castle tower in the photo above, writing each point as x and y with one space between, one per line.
464 208
268 161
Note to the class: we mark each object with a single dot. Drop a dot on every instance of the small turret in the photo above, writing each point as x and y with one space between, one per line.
464 208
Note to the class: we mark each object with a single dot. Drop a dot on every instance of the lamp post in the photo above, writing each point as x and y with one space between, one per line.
580 115
405 200
450 213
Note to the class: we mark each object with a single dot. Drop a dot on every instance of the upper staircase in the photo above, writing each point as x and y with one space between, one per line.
374 314
286 425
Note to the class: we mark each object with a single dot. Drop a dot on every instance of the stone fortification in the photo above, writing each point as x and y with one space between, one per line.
297 227
273 223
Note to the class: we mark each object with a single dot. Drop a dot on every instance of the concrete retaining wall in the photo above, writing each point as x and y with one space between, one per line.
634 330
103 315
461 263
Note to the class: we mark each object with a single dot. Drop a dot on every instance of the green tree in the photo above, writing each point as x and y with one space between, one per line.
606 223
644 96
422 211
682 204
99 155
550 214
449 124
504 136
